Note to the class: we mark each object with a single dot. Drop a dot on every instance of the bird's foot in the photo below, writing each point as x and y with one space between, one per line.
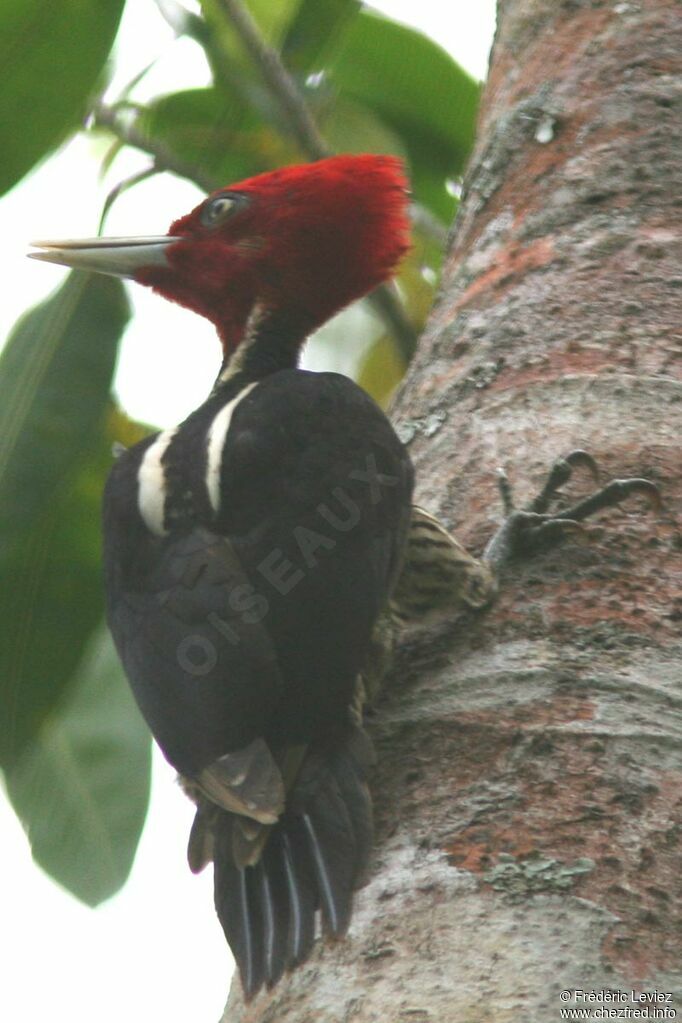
535 527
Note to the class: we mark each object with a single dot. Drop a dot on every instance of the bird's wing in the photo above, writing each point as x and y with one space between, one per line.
199 657
315 497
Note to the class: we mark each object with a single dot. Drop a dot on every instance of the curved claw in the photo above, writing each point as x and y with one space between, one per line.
585 460
561 473
643 487
613 494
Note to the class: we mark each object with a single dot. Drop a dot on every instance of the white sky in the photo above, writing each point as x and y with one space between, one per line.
155 950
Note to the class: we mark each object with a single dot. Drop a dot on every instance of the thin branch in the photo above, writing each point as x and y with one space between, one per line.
123 186
280 83
392 312
164 158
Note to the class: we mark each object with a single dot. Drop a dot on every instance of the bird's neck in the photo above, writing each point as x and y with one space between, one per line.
271 340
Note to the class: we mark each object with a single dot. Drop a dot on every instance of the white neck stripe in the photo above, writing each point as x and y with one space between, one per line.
250 336
151 484
216 437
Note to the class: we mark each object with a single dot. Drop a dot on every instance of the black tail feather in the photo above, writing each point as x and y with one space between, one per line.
238 910
277 910
355 794
332 845
315 857
301 890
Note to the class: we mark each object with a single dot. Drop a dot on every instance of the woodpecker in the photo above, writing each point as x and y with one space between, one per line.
250 551
258 555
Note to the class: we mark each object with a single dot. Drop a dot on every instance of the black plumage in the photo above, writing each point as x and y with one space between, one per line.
243 629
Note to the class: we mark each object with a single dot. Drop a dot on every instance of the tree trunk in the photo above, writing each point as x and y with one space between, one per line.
529 788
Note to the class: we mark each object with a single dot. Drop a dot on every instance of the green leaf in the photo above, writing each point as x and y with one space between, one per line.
313 30
55 377
52 57
55 448
429 183
81 787
73 746
418 90
351 128
381 370
198 126
410 80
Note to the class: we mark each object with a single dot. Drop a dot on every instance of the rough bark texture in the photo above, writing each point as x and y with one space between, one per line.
529 791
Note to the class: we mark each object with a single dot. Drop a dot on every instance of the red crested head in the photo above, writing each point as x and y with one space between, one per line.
297 244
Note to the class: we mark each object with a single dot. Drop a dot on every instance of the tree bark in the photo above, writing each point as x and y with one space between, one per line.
529 787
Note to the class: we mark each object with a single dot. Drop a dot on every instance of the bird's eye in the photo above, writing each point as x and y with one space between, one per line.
217 210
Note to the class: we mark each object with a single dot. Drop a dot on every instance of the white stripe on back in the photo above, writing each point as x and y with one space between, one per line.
151 484
216 437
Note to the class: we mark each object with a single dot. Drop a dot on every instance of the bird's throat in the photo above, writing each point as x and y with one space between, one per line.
270 340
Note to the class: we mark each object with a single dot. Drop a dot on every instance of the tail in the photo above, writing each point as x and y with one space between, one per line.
314 857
